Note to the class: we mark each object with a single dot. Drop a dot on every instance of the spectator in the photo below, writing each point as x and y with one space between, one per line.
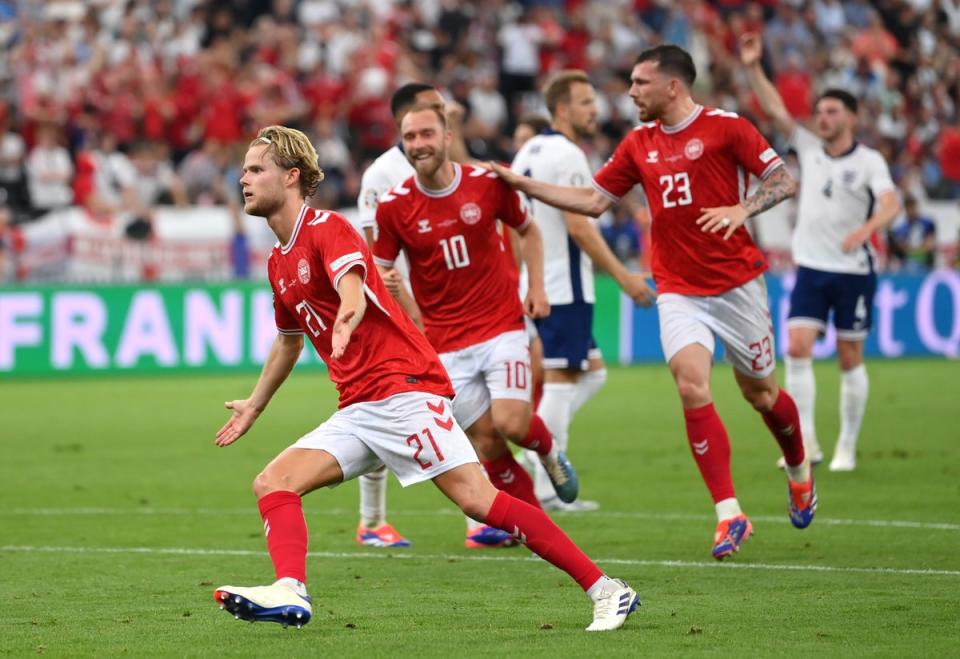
49 172
913 242
13 187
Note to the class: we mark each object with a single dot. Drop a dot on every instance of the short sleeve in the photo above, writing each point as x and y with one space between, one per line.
286 322
342 250
803 140
512 210
370 191
386 247
572 170
879 180
751 149
620 173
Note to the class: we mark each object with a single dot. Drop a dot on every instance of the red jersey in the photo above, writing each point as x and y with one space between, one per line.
702 162
387 354
466 289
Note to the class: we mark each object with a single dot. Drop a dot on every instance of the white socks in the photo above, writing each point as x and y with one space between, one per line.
556 410
727 508
854 387
587 386
373 498
803 389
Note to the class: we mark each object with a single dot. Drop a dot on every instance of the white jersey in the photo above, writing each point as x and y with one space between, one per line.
384 173
567 270
836 198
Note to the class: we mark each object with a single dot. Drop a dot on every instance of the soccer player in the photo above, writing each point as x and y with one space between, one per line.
837 215
445 219
573 365
394 395
692 162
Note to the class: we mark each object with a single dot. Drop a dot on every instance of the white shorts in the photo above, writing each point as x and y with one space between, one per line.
495 369
740 318
414 434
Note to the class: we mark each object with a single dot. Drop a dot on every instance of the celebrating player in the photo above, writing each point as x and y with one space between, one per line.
837 216
394 395
691 162
573 366
445 219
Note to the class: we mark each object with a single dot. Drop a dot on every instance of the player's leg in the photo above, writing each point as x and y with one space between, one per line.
466 487
591 381
373 530
504 471
853 318
536 362
809 307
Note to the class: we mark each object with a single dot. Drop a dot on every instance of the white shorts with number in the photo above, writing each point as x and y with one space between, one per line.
495 369
740 318
414 434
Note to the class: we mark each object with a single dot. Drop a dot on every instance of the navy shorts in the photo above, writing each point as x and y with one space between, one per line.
567 335
849 296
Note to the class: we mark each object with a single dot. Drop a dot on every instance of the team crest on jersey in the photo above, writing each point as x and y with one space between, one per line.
424 226
303 271
370 199
849 177
693 149
470 213
652 157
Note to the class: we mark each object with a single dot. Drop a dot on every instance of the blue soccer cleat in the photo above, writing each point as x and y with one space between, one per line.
562 475
730 535
487 537
382 536
802 502
275 603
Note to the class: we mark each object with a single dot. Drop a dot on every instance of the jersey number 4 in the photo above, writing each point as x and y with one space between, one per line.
676 190
455 252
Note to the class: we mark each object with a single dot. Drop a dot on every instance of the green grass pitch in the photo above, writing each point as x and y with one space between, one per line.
118 517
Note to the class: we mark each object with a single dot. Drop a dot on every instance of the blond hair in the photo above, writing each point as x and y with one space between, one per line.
289 148
557 88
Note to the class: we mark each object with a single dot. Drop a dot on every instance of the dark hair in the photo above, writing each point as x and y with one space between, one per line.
849 100
406 96
537 123
671 59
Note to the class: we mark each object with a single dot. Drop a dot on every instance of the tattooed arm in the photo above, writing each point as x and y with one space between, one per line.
775 188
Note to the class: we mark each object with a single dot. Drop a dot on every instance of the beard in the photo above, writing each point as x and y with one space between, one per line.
427 167
262 206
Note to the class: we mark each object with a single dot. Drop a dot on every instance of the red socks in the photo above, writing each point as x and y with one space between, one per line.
508 475
286 532
784 422
544 538
711 449
538 437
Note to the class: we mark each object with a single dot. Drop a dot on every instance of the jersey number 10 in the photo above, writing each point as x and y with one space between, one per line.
455 252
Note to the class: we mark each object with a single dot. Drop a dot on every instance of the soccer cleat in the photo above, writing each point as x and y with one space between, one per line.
612 606
802 502
730 535
562 475
487 537
382 536
844 458
554 504
275 603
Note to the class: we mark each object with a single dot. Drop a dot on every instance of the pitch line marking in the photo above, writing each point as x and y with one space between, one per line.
189 551
149 510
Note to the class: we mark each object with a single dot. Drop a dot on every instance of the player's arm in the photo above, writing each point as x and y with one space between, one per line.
583 200
589 239
281 360
536 304
751 54
353 304
887 207
777 186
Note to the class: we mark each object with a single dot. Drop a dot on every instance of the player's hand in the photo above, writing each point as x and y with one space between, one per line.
639 290
392 280
341 333
723 218
853 241
751 48
536 304
244 414
509 176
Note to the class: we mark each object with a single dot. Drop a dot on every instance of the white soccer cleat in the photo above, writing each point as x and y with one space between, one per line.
274 603
555 505
613 604
844 458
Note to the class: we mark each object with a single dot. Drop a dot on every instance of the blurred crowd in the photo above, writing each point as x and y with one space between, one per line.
119 105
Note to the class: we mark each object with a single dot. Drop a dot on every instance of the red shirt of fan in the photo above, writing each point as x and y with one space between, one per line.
466 287
702 162
387 354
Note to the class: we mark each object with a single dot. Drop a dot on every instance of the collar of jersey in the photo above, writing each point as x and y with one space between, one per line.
676 128
445 192
853 147
296 231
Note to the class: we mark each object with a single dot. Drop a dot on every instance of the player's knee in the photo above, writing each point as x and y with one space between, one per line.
514 426
762 400
693 393
799 350
266 482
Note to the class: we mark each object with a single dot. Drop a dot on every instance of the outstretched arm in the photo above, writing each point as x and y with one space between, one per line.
281 360
583 200
751 53
775 188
